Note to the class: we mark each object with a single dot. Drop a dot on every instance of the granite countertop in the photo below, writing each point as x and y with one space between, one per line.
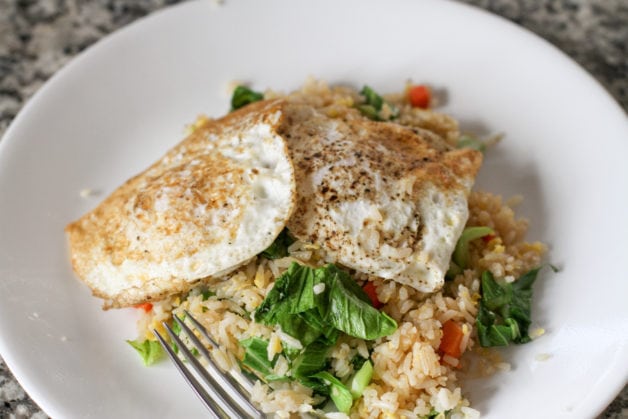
37 37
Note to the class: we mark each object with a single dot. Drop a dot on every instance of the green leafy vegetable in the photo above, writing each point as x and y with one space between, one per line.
504 310
149 350
291 353
316 319
461 251
434 414
312 360
278 378
317 385
242 96
279 248
292 293
374 103
349 309
372 98
306 316
291 304
299 328
308 327
329 334
357 361
339 393
494 295
453 271
361 379
467 141
256 356
206 294
460 257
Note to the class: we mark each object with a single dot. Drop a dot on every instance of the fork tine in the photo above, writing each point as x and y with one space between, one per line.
223 377
218 393
235 378
216 411
202 329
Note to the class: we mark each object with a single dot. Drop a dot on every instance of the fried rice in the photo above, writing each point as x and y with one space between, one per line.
411 378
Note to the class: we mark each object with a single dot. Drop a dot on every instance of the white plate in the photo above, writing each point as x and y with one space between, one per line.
122 103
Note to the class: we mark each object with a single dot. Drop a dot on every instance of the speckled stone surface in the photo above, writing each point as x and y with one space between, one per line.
39 37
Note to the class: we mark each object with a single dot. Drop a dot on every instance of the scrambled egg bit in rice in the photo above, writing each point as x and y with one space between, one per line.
372 271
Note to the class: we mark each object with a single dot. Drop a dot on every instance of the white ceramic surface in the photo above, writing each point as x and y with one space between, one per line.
123 102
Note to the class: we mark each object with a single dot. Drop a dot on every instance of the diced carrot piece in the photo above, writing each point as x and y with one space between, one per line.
147 307
420 96
452 337
369 289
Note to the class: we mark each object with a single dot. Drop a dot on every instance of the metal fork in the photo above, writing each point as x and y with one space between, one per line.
226 393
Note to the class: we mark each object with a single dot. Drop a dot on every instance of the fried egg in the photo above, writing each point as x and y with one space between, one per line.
213 202
378 197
